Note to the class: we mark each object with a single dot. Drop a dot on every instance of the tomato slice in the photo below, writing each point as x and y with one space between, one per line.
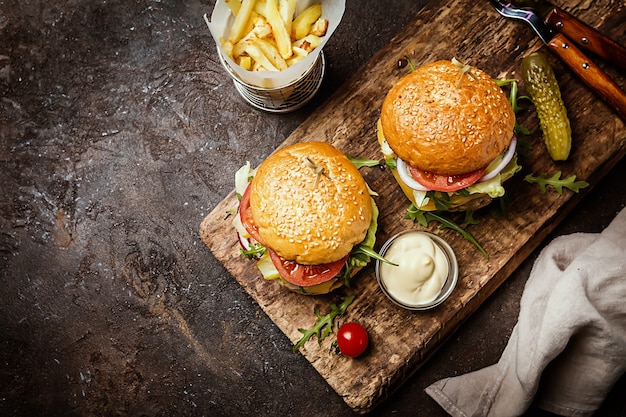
245 213
447 183
306 275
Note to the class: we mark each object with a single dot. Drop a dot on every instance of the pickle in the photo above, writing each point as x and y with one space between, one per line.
544 91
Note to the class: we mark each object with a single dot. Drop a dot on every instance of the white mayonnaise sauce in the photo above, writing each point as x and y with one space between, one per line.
421 272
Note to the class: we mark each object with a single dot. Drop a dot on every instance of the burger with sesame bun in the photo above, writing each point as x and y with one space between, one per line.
446 131
306 216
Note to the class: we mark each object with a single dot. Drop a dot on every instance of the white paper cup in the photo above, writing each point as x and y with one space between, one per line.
281 99
277 91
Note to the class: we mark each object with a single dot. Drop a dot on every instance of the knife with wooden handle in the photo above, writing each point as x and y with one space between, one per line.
559 43
586 36
590 73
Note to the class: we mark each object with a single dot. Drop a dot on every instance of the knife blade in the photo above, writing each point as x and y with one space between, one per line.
584 35
590 73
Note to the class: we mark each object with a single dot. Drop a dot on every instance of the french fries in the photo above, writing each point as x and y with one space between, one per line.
266 36
233 5
303 22
241 20
287 8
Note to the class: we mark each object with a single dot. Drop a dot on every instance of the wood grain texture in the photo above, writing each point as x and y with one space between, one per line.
401 340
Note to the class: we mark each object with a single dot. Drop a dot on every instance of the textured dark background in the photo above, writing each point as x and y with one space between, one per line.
119 132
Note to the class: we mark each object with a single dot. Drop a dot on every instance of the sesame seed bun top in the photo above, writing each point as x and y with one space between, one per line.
310 203
443 121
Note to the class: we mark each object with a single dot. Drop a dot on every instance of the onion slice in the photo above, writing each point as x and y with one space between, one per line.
407 178
505 161
246 244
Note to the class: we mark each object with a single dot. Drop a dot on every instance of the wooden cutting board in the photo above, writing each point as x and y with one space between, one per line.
401 341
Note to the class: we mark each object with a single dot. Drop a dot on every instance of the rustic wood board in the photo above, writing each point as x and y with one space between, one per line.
401 341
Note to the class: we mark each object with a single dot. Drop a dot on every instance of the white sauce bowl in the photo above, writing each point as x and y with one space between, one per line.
448 286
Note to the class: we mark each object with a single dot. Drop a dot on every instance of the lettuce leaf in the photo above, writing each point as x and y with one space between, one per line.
494 187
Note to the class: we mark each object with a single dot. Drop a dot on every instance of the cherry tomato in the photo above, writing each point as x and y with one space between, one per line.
305 275
352 339
447 183
245 213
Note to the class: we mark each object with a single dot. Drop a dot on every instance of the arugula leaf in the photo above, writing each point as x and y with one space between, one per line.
514 100
556 182
425 217
408 60
441 200
256 250
469 218
324 325
363 162
366 250
523 148
417 215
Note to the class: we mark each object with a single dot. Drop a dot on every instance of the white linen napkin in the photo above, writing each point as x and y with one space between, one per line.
568 347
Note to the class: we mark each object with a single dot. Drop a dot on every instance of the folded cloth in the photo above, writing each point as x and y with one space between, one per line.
568 347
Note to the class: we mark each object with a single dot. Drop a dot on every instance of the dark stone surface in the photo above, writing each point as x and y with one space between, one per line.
119 132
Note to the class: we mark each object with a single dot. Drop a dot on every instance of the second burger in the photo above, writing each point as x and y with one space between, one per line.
447 132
